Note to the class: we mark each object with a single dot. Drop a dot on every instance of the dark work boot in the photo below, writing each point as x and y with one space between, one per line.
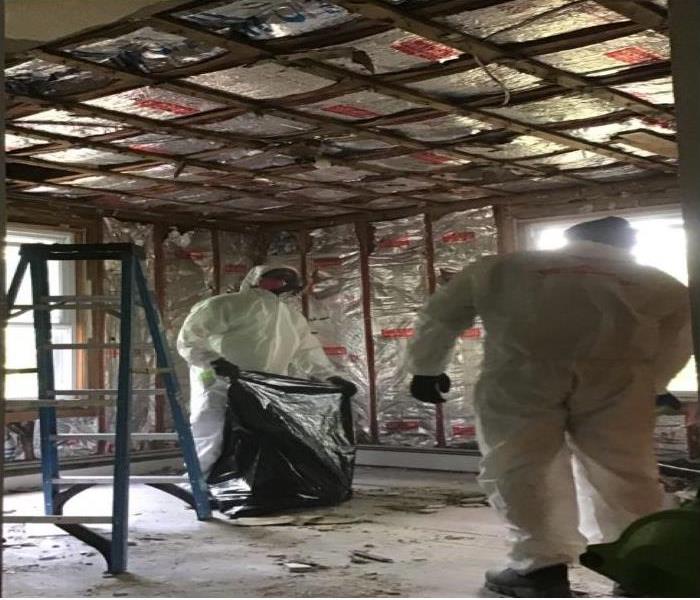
549 582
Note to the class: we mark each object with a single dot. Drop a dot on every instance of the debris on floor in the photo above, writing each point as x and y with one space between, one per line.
361 554
296 567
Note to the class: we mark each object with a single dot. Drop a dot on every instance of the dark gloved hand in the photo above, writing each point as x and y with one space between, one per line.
223 368
668 400
347 388
427 388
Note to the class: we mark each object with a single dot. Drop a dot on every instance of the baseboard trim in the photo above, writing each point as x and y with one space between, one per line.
420 459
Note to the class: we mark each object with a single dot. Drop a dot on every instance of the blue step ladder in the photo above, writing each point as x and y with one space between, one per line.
59 489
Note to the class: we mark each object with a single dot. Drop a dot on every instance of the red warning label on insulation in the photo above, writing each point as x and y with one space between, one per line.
171 107
347 110
427 49
633 55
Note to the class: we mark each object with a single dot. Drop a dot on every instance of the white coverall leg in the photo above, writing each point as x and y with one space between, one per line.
207 415
522 419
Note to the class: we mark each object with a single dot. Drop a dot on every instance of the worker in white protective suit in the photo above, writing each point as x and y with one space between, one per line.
251 330
578 342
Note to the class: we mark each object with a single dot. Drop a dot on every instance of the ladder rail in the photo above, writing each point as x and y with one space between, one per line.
16 283
122 446
164 361
45 380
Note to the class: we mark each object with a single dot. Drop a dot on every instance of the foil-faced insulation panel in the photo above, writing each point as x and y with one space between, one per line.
576 159
192 195
440 129
20 142
37 77
261 81
335 312
520 146
171 171
399 185
67 123
143 416
238 254
398 289
420 162
189 277
616 173
349 144
460 239
259 126
269 19
88 156
569 107
479 81
395 50
656 91
523 20
147 50
254 160
111 182
612 56
154 103
332 174
358 106
57 191
167 144
322 194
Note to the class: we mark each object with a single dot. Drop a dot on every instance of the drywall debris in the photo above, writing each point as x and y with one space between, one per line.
369 556
296 567
264 521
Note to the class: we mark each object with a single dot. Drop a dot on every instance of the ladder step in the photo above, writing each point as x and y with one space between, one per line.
111 436
19 371
89 346
83 299
24 404
55 519
105 392
108 479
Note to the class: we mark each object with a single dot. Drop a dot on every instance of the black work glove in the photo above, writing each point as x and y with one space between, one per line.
223 368
668 400
427 388
347 388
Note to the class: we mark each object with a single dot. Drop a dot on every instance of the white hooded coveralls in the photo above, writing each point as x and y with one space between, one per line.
254 330
578 341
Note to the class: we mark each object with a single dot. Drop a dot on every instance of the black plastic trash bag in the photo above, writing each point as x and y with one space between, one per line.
288 443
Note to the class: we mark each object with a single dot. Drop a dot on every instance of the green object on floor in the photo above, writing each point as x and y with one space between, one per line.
656 556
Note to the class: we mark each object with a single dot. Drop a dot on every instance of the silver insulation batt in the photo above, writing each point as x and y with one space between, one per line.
335 311
67 123
147 50
37 77
398 290
269 19
238 253
143 417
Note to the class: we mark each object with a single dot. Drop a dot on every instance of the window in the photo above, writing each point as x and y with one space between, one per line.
660 243
19 337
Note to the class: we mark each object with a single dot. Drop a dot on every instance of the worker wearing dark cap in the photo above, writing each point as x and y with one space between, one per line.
578 343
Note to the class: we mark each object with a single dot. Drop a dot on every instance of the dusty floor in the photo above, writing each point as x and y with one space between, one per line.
439 548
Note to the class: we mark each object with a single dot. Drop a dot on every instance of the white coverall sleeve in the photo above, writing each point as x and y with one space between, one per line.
309 360
199 339
675 343
448 313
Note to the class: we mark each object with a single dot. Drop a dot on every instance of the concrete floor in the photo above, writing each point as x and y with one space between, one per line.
438 547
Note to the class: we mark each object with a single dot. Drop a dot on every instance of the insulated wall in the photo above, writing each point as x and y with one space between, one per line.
143 406
398 290
459 239
335 311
